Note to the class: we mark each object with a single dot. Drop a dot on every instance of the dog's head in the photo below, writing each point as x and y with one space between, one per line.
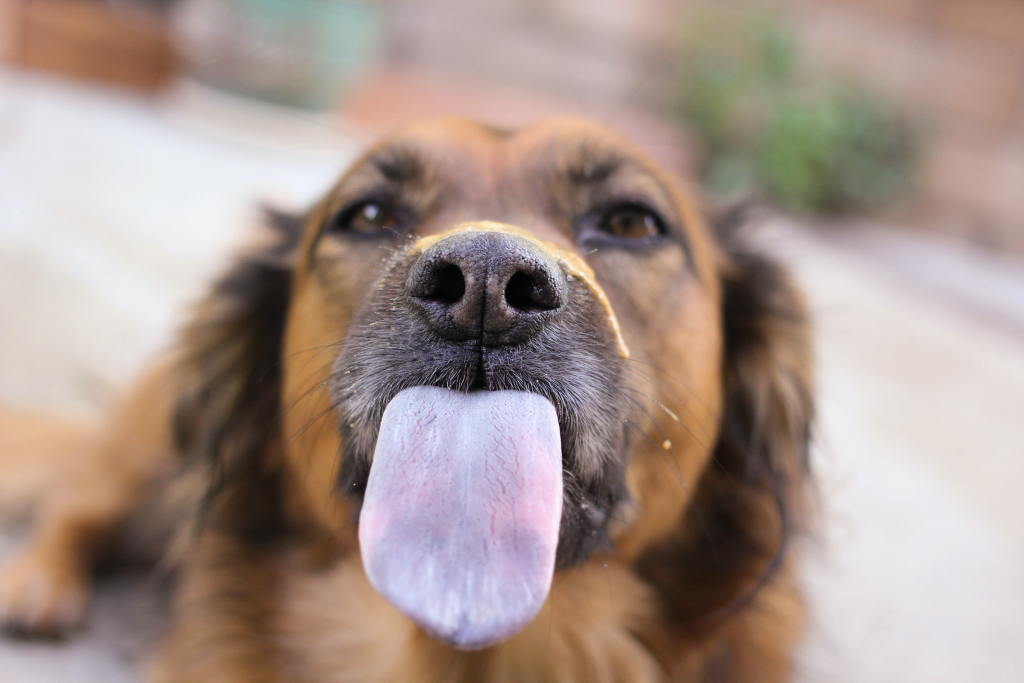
509 352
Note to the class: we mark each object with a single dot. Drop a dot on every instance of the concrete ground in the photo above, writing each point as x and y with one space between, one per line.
114 211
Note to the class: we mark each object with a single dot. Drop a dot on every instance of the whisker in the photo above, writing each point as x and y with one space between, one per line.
681 383
307 395
678 473
671 461
632 433
313 348
714 457
301 430
703 444
675 396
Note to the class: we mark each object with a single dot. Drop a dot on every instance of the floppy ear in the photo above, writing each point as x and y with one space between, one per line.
750 499
229 384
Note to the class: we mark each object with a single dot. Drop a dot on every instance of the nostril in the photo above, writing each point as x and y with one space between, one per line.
528 292
446 285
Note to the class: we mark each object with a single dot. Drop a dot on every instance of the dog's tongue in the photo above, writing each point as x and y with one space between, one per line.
460 520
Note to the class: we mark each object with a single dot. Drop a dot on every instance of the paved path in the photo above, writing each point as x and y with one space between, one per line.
114 211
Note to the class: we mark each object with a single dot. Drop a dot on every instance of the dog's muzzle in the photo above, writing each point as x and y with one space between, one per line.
460 520
461 514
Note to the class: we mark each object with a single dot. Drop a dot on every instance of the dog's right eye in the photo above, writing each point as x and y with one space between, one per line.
368 218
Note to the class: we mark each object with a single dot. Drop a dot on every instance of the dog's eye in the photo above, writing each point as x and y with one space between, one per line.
368 218
622 225
631 222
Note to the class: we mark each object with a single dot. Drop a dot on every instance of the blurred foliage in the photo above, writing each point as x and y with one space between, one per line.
766 122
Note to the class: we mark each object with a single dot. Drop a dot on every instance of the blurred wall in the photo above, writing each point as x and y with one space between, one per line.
597 50
125 43
959 65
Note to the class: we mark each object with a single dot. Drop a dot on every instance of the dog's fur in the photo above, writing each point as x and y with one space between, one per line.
685 466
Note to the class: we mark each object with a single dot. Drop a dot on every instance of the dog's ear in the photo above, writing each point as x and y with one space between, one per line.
751 497
767 375
228 379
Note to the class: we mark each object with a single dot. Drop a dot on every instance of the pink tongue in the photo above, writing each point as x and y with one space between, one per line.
459 524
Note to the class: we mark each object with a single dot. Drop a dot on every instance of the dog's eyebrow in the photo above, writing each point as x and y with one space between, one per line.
592 167
398 164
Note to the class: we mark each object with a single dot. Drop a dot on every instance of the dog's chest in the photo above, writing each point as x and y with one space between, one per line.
333 627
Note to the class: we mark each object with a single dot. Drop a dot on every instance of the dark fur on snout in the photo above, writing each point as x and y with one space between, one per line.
572 361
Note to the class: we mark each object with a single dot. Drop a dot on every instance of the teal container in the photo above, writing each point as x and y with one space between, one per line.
306 53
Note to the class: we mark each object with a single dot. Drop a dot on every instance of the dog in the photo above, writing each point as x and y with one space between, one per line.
501 406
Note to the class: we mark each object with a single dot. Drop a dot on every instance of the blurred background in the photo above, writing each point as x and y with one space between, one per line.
884 139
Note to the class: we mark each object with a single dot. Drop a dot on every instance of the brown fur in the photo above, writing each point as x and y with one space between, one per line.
700 583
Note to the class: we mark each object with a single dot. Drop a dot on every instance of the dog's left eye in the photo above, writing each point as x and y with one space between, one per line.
631 222
622 225
368 218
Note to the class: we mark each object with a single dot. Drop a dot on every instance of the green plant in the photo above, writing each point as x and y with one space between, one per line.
822 144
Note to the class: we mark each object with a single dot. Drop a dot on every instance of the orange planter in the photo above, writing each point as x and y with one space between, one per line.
90 40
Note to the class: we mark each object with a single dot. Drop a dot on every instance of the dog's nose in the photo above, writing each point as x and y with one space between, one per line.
497 287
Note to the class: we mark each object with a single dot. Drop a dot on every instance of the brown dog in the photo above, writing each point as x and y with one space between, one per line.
498 408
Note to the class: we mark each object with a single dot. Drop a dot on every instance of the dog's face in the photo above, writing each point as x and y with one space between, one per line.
556 261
